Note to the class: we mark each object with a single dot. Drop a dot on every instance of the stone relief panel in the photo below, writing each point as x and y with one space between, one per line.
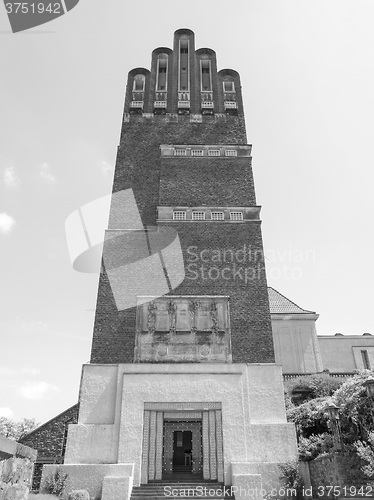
183 329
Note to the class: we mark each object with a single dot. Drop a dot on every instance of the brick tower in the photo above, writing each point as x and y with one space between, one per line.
184 153
182 377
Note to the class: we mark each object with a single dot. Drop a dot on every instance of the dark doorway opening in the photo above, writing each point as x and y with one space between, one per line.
182 451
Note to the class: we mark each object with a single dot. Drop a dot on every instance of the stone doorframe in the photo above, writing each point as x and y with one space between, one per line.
153 437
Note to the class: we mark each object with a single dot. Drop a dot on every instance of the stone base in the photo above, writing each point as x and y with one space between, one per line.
246 486
126 411
117 488
269 472
100 480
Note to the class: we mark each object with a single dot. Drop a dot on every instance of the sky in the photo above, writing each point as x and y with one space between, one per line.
307 72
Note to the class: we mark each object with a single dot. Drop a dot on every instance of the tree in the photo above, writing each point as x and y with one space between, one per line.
312 423
17 430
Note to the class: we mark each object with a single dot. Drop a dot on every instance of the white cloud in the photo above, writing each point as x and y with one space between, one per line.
37 390
45 173
105 167
6 222
6 412
28 370
10 177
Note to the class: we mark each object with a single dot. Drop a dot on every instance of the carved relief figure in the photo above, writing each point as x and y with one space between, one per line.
151 322
172 310
214 316
193 306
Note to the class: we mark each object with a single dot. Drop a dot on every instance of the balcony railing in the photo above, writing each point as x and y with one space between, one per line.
183 104
160 104
207 105
231 105
137 104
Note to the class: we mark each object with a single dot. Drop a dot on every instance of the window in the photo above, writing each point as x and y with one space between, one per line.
197 152
217 216
180 152
214 152
231 152
183 64
139 83
179 215
162 64
198 215
236 215
365 360
206 80
228 87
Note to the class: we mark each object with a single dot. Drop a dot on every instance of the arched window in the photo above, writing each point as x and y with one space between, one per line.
139 83
184 68
206 76
162 71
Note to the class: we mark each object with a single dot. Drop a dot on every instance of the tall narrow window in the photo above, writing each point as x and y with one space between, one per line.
206 80
139 83
183 64
365 360
162 65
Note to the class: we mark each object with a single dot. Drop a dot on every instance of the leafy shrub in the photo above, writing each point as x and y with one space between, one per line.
314 446
366 452
314 386
55 483
291 475
309 417
355 408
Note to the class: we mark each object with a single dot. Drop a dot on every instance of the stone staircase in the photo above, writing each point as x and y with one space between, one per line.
199 489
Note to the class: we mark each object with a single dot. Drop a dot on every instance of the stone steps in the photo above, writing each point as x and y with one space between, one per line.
158 490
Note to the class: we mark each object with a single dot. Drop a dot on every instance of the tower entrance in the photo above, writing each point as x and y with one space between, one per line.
182 447
182 439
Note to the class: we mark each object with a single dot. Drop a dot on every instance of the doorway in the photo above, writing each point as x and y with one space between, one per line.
182 451
170 430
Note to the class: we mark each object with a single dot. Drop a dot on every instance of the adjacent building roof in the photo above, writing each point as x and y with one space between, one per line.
279 304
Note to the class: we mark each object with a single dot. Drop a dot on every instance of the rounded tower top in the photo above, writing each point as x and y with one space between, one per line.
184 31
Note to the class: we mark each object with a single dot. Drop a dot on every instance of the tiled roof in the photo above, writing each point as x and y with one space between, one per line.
279 304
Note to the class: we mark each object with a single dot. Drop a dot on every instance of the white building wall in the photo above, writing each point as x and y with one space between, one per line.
255 430
295 343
